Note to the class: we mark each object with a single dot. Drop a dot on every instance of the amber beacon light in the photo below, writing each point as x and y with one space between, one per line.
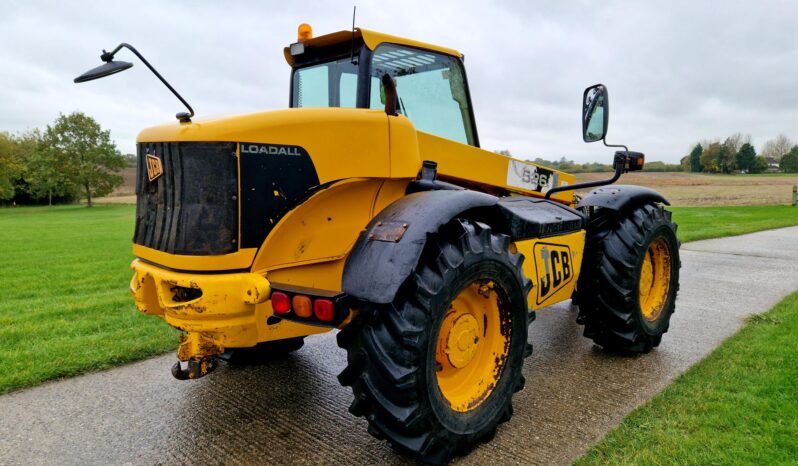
304 32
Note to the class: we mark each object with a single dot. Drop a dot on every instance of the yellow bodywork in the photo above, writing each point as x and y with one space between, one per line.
366 158
553 265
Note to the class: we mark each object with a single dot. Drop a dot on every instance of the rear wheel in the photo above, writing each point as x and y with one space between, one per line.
434 371
630 277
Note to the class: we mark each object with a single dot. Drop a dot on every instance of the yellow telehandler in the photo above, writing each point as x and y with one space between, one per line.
369 207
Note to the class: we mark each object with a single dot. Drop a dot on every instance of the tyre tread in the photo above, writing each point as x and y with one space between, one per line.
384 348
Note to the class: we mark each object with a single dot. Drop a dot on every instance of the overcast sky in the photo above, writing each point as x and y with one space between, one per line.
677 72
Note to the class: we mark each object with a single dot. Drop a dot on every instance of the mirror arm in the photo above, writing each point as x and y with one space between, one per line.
589 184
108 56
615 145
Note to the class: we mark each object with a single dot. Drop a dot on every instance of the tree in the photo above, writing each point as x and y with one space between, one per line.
10 165
725 158
736 141
684 164
565 164
84 154
760 165
731 147
47 173
789 163
131 160
777 147
695 158
709 158
746 157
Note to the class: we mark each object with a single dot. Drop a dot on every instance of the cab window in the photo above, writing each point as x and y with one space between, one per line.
431 90
331 84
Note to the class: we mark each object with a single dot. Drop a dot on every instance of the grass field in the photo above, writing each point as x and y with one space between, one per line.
696 189
713 222
738 406
64 303
65 306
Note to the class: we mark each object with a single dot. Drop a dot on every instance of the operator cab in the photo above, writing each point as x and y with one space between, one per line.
347 68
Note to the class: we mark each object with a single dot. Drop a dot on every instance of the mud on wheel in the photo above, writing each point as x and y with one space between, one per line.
630 277
434 371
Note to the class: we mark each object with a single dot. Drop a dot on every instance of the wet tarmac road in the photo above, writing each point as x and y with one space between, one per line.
293 411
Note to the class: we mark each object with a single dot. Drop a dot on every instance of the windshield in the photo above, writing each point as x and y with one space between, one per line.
431 87
431 90
331 84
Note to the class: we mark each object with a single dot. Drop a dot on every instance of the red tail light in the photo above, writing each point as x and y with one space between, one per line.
281 303
324 309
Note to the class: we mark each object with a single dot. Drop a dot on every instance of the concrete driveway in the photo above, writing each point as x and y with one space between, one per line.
293 411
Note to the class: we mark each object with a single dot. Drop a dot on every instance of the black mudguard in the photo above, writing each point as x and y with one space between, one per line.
388 250
621 197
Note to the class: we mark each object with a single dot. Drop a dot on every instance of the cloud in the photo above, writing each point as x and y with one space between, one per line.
677 71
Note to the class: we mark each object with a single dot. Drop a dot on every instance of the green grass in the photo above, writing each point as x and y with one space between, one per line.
64 301
738 406
714 222
65 307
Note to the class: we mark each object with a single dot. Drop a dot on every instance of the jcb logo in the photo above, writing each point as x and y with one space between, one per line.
554 268
154 167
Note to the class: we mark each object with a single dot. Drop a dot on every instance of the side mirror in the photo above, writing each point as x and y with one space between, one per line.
106 69
595 113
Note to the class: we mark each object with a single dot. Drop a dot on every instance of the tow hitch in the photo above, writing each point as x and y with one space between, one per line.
198 356
194 368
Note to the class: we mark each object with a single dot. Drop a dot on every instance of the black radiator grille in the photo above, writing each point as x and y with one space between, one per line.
192 207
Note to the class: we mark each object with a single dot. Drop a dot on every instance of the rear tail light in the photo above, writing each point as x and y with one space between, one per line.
280 302
324 309
302 306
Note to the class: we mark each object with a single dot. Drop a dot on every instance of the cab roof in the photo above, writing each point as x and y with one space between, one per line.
372 39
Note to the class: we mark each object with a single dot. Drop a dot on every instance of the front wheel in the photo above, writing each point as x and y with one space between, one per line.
629 279
434 372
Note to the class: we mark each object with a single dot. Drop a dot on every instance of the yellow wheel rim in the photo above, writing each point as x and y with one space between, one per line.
472 347
655 279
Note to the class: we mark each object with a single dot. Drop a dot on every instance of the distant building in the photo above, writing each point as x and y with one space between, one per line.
773 165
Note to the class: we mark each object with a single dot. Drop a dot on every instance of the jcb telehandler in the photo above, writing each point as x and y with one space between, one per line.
369 207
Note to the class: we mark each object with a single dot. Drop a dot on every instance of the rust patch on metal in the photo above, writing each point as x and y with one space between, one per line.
197 346
481 397
300 249
389 232
505 327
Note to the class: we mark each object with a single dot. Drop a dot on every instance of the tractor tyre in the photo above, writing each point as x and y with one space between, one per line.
629 279
262 352
434 371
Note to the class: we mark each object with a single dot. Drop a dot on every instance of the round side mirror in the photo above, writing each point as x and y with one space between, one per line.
106 69
595 113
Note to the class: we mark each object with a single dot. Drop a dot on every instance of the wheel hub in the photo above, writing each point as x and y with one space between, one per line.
654 284
472 346
462 341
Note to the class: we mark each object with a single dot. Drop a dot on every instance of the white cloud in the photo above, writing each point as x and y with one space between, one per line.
677 71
